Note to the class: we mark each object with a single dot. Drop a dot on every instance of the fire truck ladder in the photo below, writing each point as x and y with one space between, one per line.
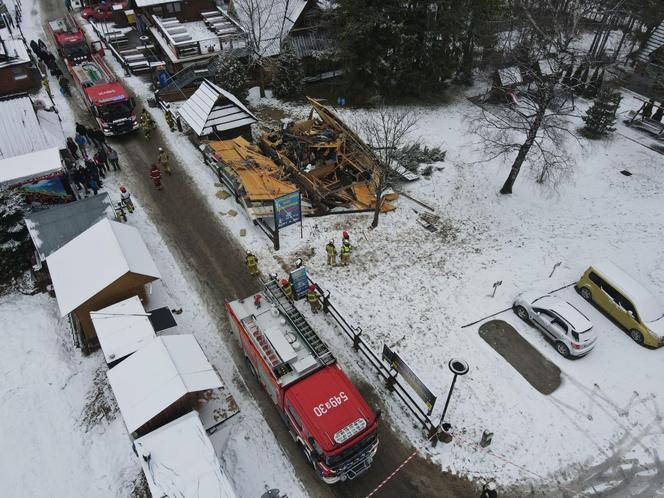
317 346
268 352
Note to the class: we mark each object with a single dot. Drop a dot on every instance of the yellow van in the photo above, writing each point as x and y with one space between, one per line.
626 301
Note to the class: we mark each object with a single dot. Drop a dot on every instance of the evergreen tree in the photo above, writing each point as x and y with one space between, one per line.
231 75
13 236
288 74
601 116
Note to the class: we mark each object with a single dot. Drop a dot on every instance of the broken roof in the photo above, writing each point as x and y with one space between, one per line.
12 50
212 109
122 328
158 375
95 259
178 459
52 228
24 130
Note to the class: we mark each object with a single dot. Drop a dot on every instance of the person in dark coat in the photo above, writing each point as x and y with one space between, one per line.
113 157
36 50
101 159
94 185
93 170
42 45
81 129
99 137
81 178
647 109
658 114
73 148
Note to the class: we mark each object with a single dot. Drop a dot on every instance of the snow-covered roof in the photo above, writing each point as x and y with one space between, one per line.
122 328
16 169
158 375
12 50
647 305
52 228
212 109
178 459
95 259
268 22
24 130
150 3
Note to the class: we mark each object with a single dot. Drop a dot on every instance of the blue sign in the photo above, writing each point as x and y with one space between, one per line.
299 282
287 210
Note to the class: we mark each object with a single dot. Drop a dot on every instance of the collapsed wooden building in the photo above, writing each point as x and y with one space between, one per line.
322 157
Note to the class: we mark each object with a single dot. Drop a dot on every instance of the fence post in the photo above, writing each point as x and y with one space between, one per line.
357 340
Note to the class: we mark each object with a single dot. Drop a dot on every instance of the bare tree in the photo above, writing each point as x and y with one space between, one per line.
264 21
385 131
535 127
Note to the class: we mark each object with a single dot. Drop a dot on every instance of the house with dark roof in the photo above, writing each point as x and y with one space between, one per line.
18 72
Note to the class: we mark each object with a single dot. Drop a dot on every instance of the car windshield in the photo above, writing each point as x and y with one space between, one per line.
351 451
75 50
115 110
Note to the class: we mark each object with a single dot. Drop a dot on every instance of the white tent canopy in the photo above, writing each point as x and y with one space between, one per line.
122 328
89 263
178 460
158 375
212 109
17 169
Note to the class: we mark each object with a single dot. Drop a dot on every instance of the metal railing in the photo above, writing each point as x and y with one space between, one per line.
385 372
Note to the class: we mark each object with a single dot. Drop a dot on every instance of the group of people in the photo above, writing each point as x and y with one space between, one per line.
48 63
648 111
345 250
92 158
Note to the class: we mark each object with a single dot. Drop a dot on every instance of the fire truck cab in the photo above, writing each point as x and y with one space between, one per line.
70 39
324 411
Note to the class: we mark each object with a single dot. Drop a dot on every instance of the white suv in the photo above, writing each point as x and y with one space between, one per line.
568 328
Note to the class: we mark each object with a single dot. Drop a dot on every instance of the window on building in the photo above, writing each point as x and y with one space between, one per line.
19 73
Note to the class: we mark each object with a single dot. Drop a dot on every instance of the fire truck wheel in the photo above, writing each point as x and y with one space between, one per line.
251 367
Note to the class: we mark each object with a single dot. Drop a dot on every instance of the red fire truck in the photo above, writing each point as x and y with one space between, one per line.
104 95
325 413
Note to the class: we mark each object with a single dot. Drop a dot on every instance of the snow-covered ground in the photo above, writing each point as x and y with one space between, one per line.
414 290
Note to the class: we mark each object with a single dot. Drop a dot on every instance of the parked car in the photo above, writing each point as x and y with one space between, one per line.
568 328
625 300
103 11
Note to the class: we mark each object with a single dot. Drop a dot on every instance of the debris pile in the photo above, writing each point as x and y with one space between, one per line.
330 164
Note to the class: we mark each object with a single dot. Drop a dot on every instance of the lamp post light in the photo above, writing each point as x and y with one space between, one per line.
457 367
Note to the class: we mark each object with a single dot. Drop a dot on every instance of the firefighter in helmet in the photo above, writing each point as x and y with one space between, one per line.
331 253
287 288
170 121
163 160
252 263
312 299
345 253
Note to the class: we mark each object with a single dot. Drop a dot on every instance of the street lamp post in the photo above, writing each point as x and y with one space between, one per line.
457 367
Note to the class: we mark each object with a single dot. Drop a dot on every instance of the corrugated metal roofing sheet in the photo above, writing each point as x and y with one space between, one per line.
21 130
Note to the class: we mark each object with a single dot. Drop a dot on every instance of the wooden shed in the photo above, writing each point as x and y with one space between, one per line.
107 263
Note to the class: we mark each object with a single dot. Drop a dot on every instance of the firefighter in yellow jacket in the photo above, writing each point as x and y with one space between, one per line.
252 263
287 288
163 161
345 253
312 299
331 253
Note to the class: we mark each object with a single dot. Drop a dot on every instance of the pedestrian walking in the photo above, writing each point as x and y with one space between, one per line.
163 161
113 157
36 50
101 161
42 45
489 490
84 177
125 198
345 253
647 109
312 299
146 124
96 136
169 119
287 288
331 253
82 143
73 148
658 114
252 263
155 174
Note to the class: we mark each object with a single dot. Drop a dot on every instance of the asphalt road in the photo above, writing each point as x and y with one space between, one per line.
215 264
